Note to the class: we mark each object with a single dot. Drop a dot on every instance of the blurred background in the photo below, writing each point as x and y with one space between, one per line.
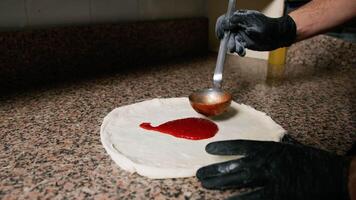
44 41
21 14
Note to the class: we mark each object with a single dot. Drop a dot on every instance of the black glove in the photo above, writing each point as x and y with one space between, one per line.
281 171
253 30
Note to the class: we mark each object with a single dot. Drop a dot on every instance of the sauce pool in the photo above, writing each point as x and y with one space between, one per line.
188 128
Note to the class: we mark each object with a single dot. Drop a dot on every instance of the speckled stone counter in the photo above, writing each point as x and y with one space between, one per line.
50 145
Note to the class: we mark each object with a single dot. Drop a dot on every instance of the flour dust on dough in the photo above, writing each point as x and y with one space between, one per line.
157 155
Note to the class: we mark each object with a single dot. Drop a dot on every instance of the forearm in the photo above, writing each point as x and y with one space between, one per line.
352 180
320 15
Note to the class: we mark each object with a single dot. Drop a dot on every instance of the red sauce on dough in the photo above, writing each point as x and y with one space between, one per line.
188 128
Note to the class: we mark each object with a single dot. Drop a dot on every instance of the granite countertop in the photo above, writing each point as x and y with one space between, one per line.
50 144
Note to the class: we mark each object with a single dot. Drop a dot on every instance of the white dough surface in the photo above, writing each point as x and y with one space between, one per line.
157 156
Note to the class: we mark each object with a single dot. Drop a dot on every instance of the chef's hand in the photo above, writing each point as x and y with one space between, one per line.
253 30
280 171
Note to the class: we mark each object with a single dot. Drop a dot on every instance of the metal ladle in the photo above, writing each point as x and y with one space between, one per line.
214 101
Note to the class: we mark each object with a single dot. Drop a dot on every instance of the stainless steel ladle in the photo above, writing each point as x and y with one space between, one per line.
214 101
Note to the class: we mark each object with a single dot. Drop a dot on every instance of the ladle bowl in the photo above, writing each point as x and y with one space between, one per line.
210 102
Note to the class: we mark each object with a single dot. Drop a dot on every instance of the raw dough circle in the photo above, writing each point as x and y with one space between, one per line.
157 155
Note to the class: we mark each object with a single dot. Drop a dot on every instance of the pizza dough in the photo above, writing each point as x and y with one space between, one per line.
156 155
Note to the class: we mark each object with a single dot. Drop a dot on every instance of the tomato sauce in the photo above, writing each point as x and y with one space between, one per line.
187 128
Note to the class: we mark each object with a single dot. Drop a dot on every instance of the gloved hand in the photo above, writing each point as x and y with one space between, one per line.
281 171
253 30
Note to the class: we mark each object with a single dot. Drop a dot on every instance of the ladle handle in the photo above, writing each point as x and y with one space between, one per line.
218 74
